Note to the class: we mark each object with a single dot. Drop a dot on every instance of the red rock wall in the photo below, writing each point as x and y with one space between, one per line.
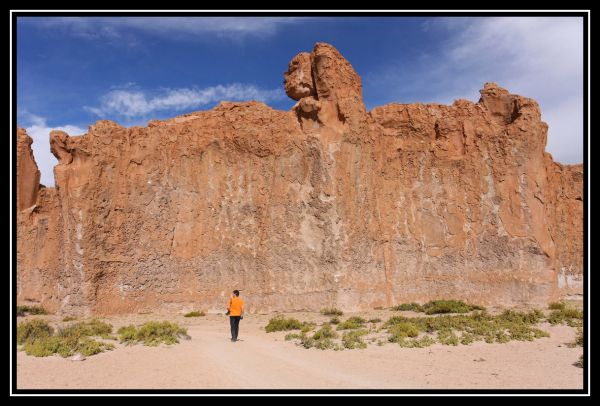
28 175
324 205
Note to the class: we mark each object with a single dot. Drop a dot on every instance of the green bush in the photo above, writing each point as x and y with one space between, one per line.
194 314
45 347
395 320
321 344
578 339
531 317
569 315
292 336
306 341
351 323
422 342
353 339
447 337
324 332
38 339
402 330
33 330
324 344
510 325
449 306
332 312
65 346
90 347
279 323
467 338
27 310
87 329
153 333
557 306
127 334
414 307
307 326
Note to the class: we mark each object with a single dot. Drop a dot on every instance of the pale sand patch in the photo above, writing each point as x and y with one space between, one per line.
261 360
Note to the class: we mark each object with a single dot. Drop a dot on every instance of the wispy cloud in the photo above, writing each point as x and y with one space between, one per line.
541 58
135 103
38 129
170 27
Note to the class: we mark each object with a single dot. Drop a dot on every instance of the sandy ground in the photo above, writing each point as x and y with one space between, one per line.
261 360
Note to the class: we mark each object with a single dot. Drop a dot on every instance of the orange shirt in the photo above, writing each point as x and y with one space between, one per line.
235 306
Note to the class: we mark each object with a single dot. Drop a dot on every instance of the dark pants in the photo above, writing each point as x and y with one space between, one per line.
234 321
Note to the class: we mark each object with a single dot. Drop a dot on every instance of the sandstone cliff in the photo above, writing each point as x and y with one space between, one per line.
323 205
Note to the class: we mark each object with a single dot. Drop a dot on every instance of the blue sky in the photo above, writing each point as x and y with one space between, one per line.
74 71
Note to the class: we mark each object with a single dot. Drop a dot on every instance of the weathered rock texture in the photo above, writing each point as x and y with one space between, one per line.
323 205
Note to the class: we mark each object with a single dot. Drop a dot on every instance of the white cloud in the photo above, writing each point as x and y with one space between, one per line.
135 103
170 27
39 131
541 58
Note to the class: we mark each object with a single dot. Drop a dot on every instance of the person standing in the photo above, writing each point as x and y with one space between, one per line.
235 309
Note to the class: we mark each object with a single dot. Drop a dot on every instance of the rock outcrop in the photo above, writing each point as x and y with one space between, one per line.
323 205
28 175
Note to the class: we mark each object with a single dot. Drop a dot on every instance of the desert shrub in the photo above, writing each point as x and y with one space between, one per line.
66 346
538 333
306 341
39 341
44 347
90 347
532 317
578 339
510 325
467 338
325 344
87 329
375 320
322 344
194 314
415 307
332 312
33 330
292 336
402 330
26 310
449 306
324 332
557 306
353 339
334 320
422 342
321 339
152 333
351 323
127 334
566 315
69 318
307 326
447 337
279 323
395 320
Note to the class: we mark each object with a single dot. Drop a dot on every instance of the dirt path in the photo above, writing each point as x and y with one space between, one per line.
261 360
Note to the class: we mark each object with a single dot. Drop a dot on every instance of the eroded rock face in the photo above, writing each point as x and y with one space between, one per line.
28 175
324 205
